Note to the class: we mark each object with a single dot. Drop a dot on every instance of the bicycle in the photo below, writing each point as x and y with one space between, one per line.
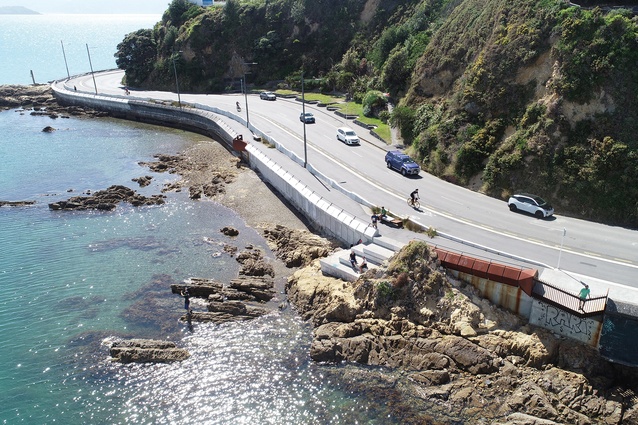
414 204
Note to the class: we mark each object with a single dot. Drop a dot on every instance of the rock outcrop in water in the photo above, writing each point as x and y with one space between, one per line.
147 351
107 200
464 358
243 298
16 203
39 100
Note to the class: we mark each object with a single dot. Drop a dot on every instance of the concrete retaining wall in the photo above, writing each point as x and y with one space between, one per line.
206 120
535 311
563 323
510 297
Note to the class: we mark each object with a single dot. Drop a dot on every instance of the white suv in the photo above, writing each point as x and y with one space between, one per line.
531 204
347 136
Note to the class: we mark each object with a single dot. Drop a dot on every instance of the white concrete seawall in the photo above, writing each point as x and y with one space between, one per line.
323 214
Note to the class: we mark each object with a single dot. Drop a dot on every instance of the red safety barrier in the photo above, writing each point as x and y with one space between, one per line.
480 268
466 264
526 280
514 276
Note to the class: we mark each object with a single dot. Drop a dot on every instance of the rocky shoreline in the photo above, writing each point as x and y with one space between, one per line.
431 347
463 357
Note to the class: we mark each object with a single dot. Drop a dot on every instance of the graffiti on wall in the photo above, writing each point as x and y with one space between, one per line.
563 323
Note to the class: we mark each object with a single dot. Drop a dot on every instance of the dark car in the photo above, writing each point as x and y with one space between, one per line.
401 162
267 95
307 117
531 204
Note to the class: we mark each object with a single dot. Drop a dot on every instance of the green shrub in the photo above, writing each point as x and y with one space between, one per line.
384 289
403 118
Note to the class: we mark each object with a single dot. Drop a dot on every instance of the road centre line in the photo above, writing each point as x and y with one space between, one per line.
444 214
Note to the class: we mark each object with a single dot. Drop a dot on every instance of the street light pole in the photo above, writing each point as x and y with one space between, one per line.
91 65
65 63
561 247
303 114
179 98
246 91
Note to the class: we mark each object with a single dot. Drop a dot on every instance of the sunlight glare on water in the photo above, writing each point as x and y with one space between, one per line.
255 372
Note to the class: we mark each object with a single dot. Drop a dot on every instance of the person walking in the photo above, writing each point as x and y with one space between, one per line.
582 295
374 219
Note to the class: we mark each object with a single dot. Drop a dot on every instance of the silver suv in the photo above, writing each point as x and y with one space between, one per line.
531 204
347 136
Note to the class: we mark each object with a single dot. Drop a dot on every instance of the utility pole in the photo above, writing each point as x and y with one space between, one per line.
91 65
303 108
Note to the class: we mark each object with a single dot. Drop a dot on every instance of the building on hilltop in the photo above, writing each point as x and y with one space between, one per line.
203 2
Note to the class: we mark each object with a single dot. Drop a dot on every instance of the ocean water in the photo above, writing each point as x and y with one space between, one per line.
40 43
69 281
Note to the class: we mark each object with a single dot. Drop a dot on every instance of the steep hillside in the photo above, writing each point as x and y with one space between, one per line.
533 96
495 95
212 46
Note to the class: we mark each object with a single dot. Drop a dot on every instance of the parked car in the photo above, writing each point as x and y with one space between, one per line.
267 95
307 117
531 204
347 136
401 162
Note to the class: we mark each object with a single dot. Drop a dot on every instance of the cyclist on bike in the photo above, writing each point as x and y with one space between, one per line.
414 196
238 107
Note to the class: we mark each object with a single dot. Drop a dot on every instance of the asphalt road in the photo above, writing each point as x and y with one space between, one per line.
587 248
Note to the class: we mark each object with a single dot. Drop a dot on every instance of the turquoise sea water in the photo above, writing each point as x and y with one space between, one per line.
71 280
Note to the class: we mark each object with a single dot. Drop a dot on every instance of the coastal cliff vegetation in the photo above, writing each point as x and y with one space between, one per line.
494 95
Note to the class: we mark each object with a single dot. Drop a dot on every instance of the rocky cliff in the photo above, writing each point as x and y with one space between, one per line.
466 359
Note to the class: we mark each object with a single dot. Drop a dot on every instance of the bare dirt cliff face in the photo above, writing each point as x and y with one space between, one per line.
460 357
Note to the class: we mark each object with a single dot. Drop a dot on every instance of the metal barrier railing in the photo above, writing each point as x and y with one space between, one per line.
566 300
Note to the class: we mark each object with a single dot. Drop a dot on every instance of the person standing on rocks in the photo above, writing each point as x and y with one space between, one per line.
187 298
189 319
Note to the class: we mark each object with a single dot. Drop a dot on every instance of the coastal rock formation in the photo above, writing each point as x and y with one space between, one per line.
296 248
143 181
147 351
16 203
107 200
253 263
39 100
463 357
13 96
201 174
226 311
229 231
241 299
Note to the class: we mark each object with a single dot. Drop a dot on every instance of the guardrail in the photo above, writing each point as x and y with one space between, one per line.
565 300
